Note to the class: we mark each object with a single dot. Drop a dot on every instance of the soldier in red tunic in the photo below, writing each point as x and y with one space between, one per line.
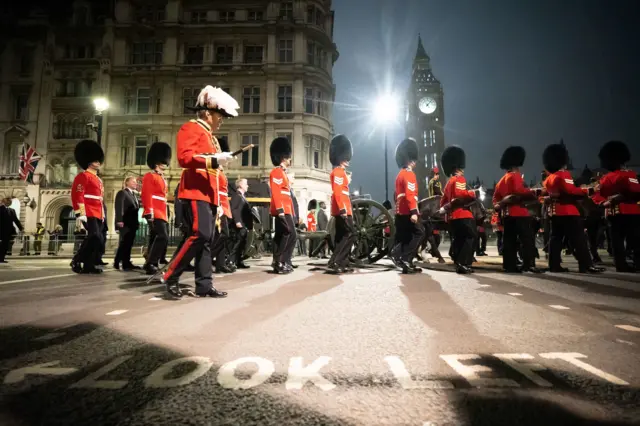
340 153
281 207
622 189
154 203
518 226
311 223
87 194
460 218
409 228
199 155
219 250
565 217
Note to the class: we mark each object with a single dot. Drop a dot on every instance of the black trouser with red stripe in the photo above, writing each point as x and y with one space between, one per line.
199 219
570 228
89 252
625 227
285 239
158 241
219 247
408 237
518 234
345 238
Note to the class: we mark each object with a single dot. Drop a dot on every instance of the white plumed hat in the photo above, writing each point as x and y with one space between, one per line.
215 99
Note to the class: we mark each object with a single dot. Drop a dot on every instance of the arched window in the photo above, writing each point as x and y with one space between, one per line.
56 130
57 171
77 130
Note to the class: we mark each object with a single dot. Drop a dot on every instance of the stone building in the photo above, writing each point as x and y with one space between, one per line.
150 59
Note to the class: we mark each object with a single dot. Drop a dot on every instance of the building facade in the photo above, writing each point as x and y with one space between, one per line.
150 59
425 116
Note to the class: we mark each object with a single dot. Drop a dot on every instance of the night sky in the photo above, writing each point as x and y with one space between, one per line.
514 73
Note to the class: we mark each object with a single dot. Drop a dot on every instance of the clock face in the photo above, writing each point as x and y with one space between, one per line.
427 105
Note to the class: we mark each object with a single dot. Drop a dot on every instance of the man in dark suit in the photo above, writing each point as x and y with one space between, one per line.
322 225
126 207
242 222
8 218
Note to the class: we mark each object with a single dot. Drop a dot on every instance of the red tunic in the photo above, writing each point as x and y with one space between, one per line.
620 182
311 222
561 183
281 201
223 185
495 221
340 201
87 194
511 184
406 193
199 179
154 196
456 188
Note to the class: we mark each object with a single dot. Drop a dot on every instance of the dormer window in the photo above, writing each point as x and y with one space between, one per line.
81 16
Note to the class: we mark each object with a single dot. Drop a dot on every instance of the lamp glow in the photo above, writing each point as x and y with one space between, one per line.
386 107
101 104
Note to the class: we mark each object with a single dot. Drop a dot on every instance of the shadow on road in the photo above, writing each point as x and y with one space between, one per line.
130 399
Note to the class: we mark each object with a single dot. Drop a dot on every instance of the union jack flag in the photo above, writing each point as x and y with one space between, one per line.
29 159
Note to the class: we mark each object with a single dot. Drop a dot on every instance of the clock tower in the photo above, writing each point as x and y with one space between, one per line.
425 116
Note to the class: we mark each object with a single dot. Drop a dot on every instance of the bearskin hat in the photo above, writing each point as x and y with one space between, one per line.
313 204
279 150
406 152
159 153
555 157
613 155
512 157
223 141
340 150
88 151
452 158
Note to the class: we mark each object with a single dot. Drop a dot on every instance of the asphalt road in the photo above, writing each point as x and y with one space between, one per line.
370 348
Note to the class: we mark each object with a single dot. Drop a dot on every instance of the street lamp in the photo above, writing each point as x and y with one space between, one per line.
385 109
101 104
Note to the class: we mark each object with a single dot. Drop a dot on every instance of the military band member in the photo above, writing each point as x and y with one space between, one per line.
87 195
622 189
199 155
565 217
154 203
409 229
459 216
340 153
517 222
281 208
219 250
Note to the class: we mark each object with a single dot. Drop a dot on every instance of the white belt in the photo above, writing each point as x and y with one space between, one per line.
223 193
345 192
157 197
286 193
93 197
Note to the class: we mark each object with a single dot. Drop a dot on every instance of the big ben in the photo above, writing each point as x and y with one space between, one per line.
425 116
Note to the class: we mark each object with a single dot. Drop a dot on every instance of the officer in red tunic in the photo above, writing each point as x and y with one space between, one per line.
340 153
622 189
311 223
281 207
87 194
219 250
456 197
154 203
509 199
199 155
409 229
565 217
